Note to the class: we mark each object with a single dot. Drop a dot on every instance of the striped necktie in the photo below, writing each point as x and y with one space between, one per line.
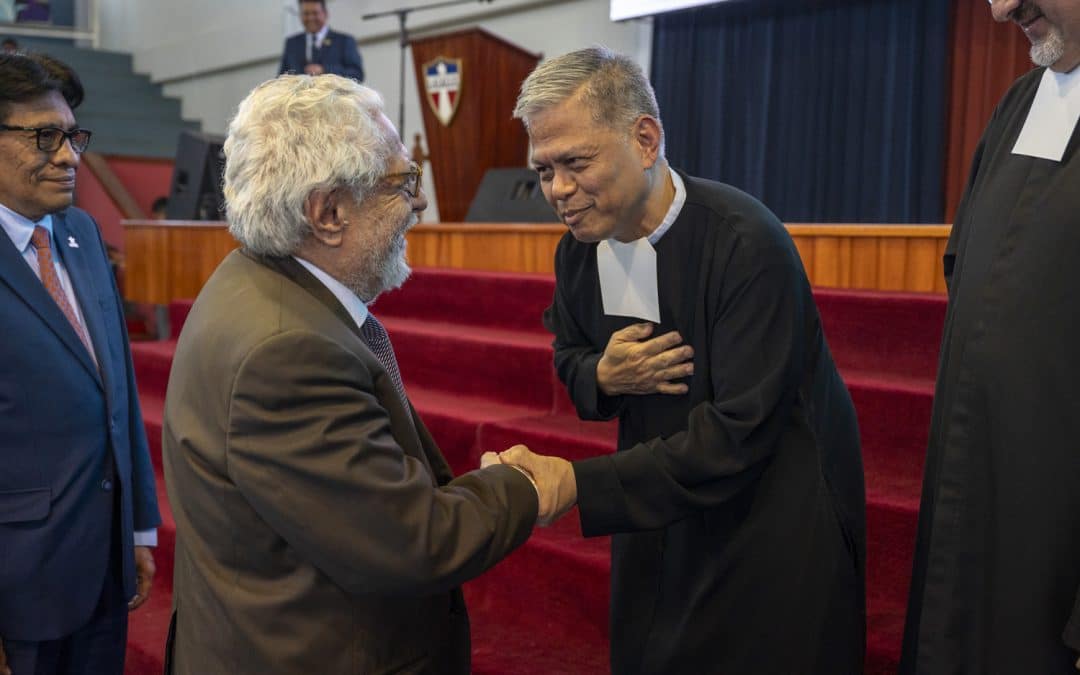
379 343
47 271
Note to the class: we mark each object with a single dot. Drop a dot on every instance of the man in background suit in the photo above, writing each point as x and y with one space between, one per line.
318 49
77 503
319 529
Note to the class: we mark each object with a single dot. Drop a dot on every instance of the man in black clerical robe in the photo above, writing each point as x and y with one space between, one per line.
997 560
736 499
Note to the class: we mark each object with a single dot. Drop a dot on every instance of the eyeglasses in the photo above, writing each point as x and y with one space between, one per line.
49 139
412 179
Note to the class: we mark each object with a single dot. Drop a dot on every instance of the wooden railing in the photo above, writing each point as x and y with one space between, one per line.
172 259
875 257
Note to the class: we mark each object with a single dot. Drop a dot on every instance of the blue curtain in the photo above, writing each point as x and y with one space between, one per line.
826 111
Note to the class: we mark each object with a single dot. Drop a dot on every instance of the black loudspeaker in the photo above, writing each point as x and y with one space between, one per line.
510 196
196 181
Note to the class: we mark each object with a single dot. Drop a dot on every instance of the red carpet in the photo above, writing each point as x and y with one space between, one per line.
477 365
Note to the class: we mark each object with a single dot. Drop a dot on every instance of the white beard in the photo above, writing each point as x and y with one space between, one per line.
382 269
1050 49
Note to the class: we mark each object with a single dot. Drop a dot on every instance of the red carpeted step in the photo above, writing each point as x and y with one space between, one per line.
890 544
137 328
891 522
472 298
153 412
897 333
149 625
153 361
152 407
163 555
544 609
477 365
512 367
894 419
454 421
559 434
178 313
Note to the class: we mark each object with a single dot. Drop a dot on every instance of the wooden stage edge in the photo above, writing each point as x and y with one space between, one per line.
166 260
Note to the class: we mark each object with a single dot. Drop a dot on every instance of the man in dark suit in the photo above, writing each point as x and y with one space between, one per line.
319 529
318 49
77 503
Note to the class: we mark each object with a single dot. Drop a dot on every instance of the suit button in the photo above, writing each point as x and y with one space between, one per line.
106 485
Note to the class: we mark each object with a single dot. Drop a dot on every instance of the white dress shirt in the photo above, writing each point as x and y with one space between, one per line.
673 211
351 301
316 39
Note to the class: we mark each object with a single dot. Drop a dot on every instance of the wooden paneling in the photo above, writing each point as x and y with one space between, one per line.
485 246
878 257
986 57
172 259
482 135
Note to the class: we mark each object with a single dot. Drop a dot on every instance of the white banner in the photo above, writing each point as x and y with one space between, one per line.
630 9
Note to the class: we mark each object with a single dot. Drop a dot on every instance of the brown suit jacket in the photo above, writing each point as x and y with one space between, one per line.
319 529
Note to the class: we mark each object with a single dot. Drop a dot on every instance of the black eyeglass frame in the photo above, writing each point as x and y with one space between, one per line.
63 136
414 176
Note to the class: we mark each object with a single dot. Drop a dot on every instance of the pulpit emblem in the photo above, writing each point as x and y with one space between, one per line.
442 83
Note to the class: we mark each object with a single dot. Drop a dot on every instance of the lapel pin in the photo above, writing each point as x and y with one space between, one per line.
72 243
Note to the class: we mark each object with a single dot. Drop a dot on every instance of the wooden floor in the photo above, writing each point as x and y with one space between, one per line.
166 260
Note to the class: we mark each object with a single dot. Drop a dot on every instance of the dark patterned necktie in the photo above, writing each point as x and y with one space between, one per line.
379 343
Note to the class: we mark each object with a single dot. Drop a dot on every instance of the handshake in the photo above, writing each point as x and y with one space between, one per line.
553 478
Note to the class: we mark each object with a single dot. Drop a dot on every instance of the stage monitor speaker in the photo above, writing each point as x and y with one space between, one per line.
196 181
510 196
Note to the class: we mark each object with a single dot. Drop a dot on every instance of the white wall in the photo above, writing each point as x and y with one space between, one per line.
210 53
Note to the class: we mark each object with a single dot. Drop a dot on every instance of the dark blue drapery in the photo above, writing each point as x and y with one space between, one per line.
826 111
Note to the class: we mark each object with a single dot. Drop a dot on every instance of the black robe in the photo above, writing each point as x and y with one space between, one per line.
997 561
738 509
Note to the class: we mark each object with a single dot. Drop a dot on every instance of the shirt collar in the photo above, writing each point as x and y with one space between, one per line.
673 210
351 301
20 228
321 35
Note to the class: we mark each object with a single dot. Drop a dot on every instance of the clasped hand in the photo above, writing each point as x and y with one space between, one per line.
634 364
553 477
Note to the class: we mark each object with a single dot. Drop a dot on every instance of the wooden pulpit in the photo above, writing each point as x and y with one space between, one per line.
469 81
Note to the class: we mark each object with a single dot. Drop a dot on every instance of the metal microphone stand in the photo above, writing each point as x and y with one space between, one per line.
402 15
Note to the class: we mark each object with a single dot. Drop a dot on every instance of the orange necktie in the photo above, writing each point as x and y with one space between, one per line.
49 277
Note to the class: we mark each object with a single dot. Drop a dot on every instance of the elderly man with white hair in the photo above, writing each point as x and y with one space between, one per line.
319 529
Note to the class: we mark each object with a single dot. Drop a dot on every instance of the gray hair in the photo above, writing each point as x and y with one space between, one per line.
612 85
290 136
